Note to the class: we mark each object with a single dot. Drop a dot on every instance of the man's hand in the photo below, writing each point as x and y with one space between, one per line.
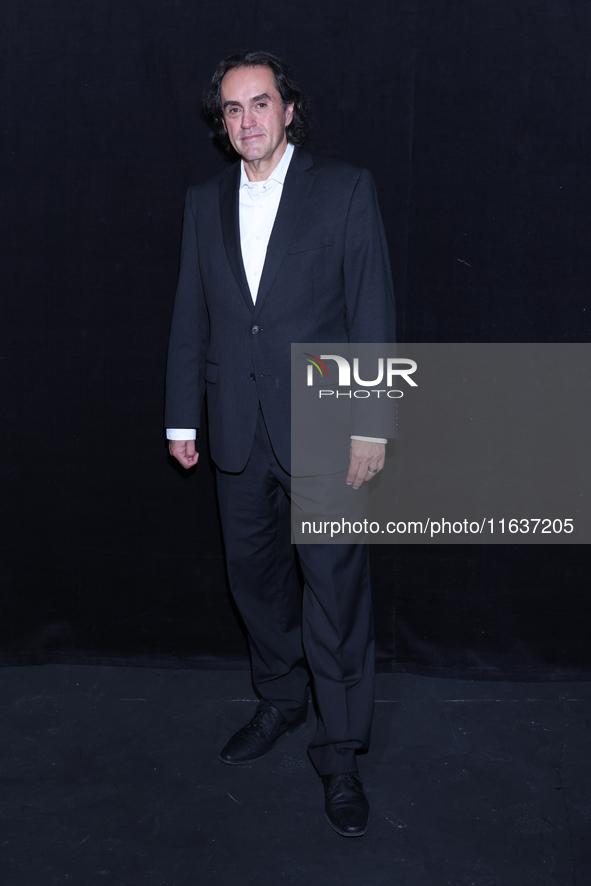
363 457
184 452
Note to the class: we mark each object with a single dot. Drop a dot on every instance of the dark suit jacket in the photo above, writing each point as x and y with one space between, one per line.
326 278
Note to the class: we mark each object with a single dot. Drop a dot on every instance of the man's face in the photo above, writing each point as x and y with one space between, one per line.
254 116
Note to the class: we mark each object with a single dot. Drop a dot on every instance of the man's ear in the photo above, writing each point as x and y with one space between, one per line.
288 114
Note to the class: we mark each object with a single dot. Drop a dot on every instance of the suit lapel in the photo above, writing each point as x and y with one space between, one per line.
296 188
229 186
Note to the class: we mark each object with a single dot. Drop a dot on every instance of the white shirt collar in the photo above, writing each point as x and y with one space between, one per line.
278 174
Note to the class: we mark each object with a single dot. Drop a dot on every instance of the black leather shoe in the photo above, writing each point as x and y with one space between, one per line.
347 809
257 738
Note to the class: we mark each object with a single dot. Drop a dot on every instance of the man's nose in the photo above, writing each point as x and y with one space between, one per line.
247 119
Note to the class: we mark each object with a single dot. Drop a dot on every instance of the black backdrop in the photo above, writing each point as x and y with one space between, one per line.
474 120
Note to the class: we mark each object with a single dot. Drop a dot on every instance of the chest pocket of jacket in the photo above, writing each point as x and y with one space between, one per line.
308 245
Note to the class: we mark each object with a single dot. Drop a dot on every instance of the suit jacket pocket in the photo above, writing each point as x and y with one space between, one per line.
211 372
307 245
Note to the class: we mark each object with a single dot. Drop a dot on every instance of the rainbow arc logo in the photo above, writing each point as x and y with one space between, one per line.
317 362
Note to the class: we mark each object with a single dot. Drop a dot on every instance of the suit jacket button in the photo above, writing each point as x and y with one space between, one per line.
254 330
253 376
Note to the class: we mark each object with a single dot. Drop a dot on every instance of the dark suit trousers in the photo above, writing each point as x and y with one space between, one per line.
326 630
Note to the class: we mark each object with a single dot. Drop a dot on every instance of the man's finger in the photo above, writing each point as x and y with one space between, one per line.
359 472
352 472
356 474
190 450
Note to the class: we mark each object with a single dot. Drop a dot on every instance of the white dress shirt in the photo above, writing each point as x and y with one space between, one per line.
258 203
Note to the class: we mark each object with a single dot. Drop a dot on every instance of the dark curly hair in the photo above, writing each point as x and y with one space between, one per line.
289 92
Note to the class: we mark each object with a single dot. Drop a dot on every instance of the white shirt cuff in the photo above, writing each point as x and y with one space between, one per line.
181 433
191 434
369 439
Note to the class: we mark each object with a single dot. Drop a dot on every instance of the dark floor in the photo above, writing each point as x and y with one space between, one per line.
110 775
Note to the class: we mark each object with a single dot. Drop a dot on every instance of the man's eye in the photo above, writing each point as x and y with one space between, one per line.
262 105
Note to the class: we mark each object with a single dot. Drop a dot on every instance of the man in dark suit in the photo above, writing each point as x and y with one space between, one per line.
281 248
